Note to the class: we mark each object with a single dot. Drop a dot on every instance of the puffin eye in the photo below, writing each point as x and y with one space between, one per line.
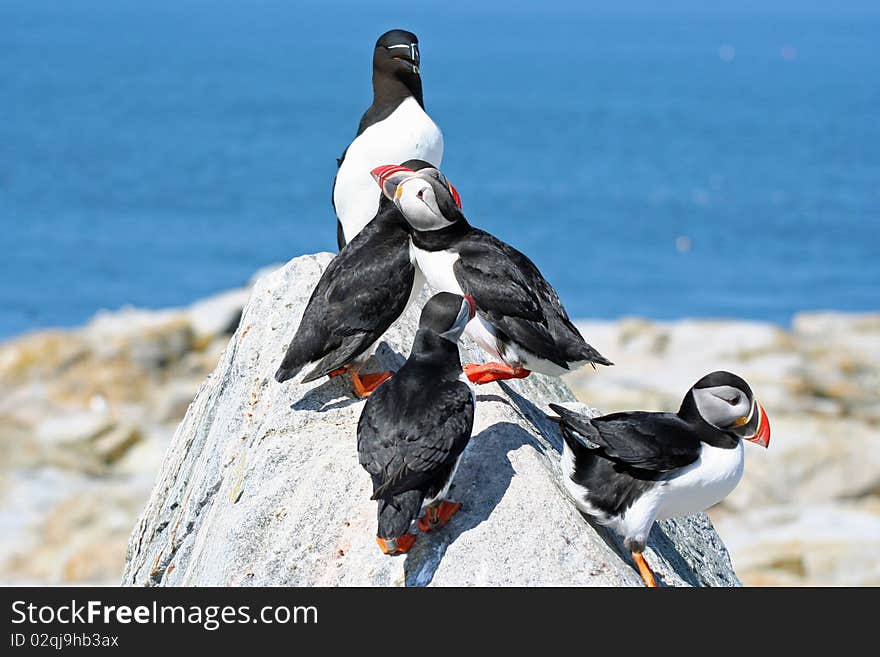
420 194
734 401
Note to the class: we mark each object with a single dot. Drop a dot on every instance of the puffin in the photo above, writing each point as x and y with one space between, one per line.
365 288
414 428
629 469
395 128
520 320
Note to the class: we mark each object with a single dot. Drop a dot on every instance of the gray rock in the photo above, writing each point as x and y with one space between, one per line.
261 484
217 314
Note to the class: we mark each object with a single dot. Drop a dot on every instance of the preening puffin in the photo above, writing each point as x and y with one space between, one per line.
520 320
358 297
395 128
629 469
414 428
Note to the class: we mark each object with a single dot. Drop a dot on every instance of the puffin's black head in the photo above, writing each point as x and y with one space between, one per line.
726 402
425 198
397 55
447 314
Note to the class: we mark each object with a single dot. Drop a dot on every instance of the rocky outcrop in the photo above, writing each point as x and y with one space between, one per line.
87 414
261 483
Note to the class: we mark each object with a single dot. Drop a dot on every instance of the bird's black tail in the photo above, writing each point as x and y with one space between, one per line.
577 429
396 514
290 366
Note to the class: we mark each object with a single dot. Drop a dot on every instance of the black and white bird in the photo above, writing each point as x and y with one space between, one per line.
395 128
414 428
365 288
520 320
629 469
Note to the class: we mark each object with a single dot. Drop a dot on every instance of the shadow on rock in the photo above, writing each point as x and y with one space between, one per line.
662 544
332 394
385 358
480 484
546 428
336 392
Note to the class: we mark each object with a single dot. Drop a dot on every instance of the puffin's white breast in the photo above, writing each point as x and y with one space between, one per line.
408 133
703 483
437 267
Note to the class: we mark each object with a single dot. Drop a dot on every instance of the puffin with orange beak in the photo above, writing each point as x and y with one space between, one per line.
520 320
629 469
363 291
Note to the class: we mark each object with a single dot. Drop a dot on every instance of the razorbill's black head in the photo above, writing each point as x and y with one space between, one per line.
396 58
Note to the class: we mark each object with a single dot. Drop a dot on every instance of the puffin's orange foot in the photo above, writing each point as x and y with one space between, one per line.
337 372
364 385
644 570
399 545
488 372
438 515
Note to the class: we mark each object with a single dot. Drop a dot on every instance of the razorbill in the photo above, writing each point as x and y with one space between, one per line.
395 128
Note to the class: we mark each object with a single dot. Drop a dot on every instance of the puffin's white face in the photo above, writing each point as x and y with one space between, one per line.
417 202
723 406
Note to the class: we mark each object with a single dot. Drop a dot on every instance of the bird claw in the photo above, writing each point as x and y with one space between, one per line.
488 372
437 516
365 384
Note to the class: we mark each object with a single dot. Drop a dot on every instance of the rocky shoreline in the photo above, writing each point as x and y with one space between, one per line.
86 416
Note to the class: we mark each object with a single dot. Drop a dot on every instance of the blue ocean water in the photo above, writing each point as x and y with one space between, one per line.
670 162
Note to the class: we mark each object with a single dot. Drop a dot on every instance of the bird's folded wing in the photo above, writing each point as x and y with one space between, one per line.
492 273
651 441
371 294
404 455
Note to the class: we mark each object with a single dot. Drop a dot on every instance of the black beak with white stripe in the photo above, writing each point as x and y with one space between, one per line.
397 53
414 428
629 469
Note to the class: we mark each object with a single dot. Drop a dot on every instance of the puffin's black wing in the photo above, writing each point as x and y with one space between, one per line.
360 294
411 445
649 441
501 279
519 301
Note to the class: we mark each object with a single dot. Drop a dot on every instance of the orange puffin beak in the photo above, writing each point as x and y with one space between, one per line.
389 177
762 435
